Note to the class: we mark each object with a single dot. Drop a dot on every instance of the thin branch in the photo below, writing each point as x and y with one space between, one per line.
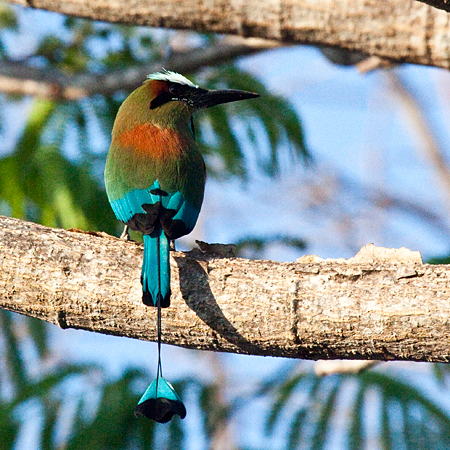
382 198
420 128
382 304
19 78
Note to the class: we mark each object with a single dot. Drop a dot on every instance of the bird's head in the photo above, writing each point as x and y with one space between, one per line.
168 100
172 87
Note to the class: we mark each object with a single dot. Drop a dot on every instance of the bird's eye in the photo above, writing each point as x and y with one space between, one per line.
176 90
180 91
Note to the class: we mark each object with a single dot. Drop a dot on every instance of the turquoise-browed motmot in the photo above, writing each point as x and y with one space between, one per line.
155 178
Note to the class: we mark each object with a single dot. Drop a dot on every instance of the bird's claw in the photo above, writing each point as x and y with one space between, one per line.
125 236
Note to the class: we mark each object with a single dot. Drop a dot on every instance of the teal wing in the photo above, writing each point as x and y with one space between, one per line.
144 209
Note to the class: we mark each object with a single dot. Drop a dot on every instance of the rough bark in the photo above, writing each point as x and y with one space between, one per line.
404 31
382 304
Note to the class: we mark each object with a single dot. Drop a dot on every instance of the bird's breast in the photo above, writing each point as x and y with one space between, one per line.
152 141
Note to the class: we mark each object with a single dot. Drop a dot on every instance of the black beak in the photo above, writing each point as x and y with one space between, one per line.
203 98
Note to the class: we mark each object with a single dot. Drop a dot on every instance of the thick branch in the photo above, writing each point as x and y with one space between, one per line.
402 31
382 304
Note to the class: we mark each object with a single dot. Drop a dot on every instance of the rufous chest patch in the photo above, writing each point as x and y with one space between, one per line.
149 140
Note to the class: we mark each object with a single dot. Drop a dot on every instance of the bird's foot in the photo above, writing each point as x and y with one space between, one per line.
125 236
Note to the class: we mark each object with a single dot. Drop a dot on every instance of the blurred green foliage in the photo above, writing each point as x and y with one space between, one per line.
52 174
371 405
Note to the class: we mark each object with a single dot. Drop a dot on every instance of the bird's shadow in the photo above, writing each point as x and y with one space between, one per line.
195 290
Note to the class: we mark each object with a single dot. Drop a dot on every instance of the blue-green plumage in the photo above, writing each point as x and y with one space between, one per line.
159 388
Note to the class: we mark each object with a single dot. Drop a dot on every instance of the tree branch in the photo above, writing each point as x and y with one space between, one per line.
401 31
382 304
19 78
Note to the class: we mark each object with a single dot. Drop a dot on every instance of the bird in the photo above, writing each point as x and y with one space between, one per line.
155 176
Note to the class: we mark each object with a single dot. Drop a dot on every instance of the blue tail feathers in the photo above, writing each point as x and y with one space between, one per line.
160 402
155 276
